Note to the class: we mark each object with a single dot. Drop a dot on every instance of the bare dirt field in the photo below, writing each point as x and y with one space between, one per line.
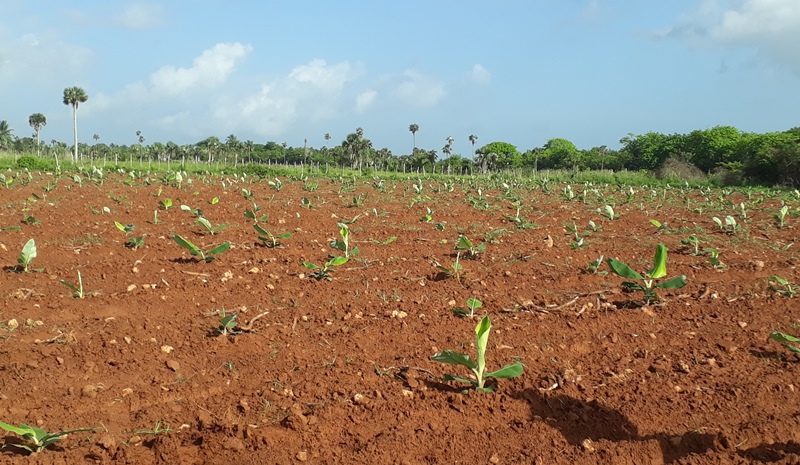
340 370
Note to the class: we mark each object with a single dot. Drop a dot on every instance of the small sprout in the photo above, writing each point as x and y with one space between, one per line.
594 267
276 184
713 258
126 228
693 242
455 268
783 286
270 240
472 304
135 242
492 237
463 244
30 220
214 201
27 255
164 204
595 227
208 227
478 367
785 339
428 216
660 227
648 286
608 212
38 439
343 245
77 291
324 271
227 323
730 226
195 251
781 216
306 203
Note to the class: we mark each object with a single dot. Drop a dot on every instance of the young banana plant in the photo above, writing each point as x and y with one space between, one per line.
648 281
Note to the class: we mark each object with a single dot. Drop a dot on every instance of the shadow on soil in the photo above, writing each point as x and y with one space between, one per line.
771 453
578 420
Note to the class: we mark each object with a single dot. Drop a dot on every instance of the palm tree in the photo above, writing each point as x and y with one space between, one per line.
473 139
37 122
74 96
5 135
414 128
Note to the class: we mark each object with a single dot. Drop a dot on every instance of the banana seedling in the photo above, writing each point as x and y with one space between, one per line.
126 228
253 214
783 286
208 227
343 245
478 367
785 339
648 284
270 240
324 271
77 291
38 439
463 244
26 256
195 251
608 212
781 216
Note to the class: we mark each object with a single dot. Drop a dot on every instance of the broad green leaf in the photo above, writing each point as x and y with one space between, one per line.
778 280
482 340
206 224
336 261
783 337
674 283
659 269
219 249
120 226
621 269
455 358
449 377
193 249
508 371
28 252
22 430
656 223
474 303
311 266
261 230
463 242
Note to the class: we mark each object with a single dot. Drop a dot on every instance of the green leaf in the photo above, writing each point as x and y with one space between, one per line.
311 266
336 261
455 358
219 249
779 280
621 269
463 242
206 224
474 303
482 340
22 430
783 337
508 371
659 269
656 223
449 377
120 226
674 283
193 249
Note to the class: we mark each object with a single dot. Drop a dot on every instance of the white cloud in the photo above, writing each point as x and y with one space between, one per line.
141 16
211 68
419 90
311 91
365 99
41 58
770 26
480 75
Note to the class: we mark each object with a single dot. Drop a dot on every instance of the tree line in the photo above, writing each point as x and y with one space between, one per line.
738 157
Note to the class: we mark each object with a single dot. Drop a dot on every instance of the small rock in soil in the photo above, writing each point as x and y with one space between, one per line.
173 365
302 456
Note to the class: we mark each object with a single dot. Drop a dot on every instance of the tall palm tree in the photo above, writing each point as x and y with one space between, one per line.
414 128
37 121
74 96
5 134
473 139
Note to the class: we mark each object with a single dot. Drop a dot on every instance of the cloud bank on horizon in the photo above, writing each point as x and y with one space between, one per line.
587 70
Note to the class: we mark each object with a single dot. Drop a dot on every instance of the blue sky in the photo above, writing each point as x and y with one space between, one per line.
520 71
